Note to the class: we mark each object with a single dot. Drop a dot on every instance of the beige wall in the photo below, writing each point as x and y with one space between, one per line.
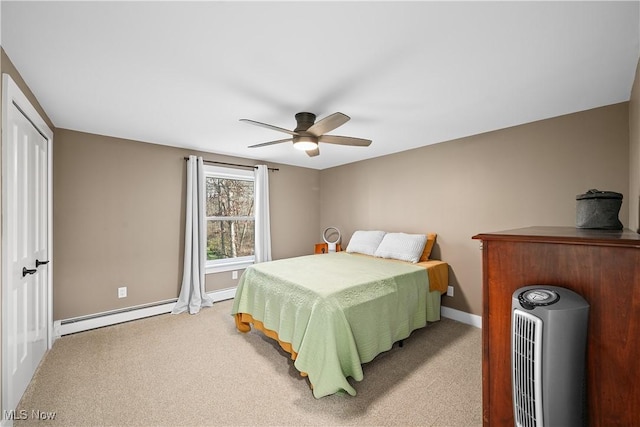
119 215
521 176
118 212
634 154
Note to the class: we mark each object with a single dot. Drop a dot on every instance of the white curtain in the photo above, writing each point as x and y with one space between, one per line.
193 295
263 224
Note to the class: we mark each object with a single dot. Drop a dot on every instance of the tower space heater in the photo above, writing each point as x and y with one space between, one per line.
548 351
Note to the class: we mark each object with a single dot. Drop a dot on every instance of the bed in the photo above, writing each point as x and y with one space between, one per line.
333 312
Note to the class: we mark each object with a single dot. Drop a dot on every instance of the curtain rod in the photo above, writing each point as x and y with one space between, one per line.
232 164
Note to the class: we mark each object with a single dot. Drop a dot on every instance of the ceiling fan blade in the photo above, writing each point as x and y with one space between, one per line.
314 152
264 125
345 140
328 124
264 144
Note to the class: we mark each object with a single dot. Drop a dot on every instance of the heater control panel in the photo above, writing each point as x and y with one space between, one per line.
533 298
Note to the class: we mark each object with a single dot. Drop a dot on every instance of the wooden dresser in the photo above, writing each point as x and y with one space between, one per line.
603 267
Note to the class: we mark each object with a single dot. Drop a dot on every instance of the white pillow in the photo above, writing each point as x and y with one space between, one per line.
365 242
402 246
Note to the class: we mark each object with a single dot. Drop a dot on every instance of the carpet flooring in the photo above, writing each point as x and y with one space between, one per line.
197 370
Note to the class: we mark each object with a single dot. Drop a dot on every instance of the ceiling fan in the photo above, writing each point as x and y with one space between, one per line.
308 134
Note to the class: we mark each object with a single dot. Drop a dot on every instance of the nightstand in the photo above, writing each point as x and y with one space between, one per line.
323 248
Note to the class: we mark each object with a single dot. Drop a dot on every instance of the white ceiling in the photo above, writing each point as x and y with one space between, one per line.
408 74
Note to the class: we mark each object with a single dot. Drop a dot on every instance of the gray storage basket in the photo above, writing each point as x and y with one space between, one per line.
598 209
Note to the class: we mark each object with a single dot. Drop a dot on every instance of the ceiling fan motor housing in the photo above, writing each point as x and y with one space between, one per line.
305 121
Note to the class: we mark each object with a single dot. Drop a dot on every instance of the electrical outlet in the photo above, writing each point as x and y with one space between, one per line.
449 291
122 292
234 274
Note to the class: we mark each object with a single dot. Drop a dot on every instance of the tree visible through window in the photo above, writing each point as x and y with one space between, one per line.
230 216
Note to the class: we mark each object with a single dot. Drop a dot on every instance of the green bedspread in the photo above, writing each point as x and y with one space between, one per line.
337 310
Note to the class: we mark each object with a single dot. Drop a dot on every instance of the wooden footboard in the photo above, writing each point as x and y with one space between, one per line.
244 322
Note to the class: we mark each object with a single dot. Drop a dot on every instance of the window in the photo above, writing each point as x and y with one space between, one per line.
229 204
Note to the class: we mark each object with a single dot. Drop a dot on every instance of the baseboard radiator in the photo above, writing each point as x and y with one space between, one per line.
107 318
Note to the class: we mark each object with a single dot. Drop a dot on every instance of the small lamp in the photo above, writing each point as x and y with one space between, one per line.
331 236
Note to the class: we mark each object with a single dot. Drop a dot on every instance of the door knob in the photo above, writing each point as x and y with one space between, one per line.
26 271
39 263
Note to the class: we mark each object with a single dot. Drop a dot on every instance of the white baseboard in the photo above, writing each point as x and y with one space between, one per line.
461 316
99 320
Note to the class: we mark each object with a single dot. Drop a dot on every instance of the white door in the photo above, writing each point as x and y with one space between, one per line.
25 244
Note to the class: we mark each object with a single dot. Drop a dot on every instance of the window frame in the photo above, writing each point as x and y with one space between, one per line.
228 264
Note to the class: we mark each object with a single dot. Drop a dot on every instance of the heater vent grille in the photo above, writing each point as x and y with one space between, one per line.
527 368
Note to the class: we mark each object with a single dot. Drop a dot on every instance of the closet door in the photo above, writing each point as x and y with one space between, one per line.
25 235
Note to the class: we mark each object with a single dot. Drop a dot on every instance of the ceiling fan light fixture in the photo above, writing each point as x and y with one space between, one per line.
305 143
308 133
